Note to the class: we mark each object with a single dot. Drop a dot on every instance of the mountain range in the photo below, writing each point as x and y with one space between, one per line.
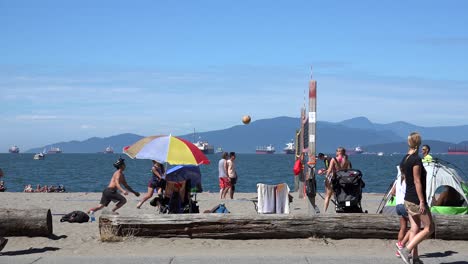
359 131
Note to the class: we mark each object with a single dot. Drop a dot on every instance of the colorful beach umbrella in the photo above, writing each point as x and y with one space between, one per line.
167 148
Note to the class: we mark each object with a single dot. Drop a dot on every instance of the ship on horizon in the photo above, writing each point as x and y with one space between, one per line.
356 150
54 150
457 151
109 150
265 149
14 149
219 150
204 146
290 148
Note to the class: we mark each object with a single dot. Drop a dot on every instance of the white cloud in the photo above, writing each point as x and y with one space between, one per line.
84 126
36 117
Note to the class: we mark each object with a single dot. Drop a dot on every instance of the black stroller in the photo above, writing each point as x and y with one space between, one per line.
181 182
347 186
177 199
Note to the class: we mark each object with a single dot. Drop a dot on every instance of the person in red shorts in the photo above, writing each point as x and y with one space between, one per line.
224 183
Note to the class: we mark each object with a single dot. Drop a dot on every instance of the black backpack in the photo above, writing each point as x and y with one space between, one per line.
75 217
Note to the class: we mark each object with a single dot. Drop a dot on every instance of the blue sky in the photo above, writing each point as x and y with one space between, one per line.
70 70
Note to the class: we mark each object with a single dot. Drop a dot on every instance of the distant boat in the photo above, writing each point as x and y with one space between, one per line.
356 150
109 150
457 151
380 153
290 148
14 149
39 156
205 147
54 150
265 149
219 150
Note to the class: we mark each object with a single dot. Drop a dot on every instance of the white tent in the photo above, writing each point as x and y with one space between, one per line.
438 175
441 175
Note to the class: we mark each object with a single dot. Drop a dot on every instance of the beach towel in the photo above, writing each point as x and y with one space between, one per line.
266 198
282 198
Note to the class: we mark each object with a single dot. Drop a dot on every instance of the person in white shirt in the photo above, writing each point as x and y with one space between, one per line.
224 183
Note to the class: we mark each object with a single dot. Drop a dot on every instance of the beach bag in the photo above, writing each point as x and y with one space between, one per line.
75 217
220 209
297 167
311 187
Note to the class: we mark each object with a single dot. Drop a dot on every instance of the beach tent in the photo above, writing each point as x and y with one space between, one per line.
438 175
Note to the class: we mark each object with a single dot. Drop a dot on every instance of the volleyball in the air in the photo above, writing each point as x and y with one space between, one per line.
246 119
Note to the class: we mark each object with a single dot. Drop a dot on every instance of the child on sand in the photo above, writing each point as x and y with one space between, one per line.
110 193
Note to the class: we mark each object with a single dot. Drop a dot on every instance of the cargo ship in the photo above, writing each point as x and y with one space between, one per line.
54 150
14 149
265 149
290 148
204 147
457 151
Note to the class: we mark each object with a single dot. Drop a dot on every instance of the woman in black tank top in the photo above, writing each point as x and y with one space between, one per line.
415 199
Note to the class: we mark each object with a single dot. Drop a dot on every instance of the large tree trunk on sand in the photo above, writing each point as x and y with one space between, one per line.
226 226
25 222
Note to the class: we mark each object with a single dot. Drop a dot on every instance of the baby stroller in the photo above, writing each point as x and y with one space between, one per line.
181 181
347 186
176 199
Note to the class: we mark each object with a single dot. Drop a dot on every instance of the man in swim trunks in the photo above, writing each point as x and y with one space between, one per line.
110 193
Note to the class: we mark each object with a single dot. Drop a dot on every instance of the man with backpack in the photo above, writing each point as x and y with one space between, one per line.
110 193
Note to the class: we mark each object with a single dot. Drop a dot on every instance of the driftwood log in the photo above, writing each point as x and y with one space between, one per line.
26 222
226 226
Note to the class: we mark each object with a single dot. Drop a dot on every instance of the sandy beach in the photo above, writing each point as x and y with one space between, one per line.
83 239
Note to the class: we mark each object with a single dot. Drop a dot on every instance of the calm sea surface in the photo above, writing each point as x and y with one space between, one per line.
91 172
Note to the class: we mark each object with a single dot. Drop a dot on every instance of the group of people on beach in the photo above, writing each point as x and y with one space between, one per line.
227 182
227 175
410 190
52 188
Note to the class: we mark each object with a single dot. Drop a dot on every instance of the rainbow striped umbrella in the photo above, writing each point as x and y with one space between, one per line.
170 149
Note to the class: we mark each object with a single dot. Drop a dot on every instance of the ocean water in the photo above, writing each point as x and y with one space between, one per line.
92 172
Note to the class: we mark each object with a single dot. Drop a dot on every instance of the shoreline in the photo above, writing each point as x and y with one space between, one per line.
81 240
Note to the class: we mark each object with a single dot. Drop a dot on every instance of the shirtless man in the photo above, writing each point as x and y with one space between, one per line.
110 193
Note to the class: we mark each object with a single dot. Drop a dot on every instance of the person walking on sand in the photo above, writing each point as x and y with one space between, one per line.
3 241
399 190
415 199
156 182
339 162
110 193
224 183
232 173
